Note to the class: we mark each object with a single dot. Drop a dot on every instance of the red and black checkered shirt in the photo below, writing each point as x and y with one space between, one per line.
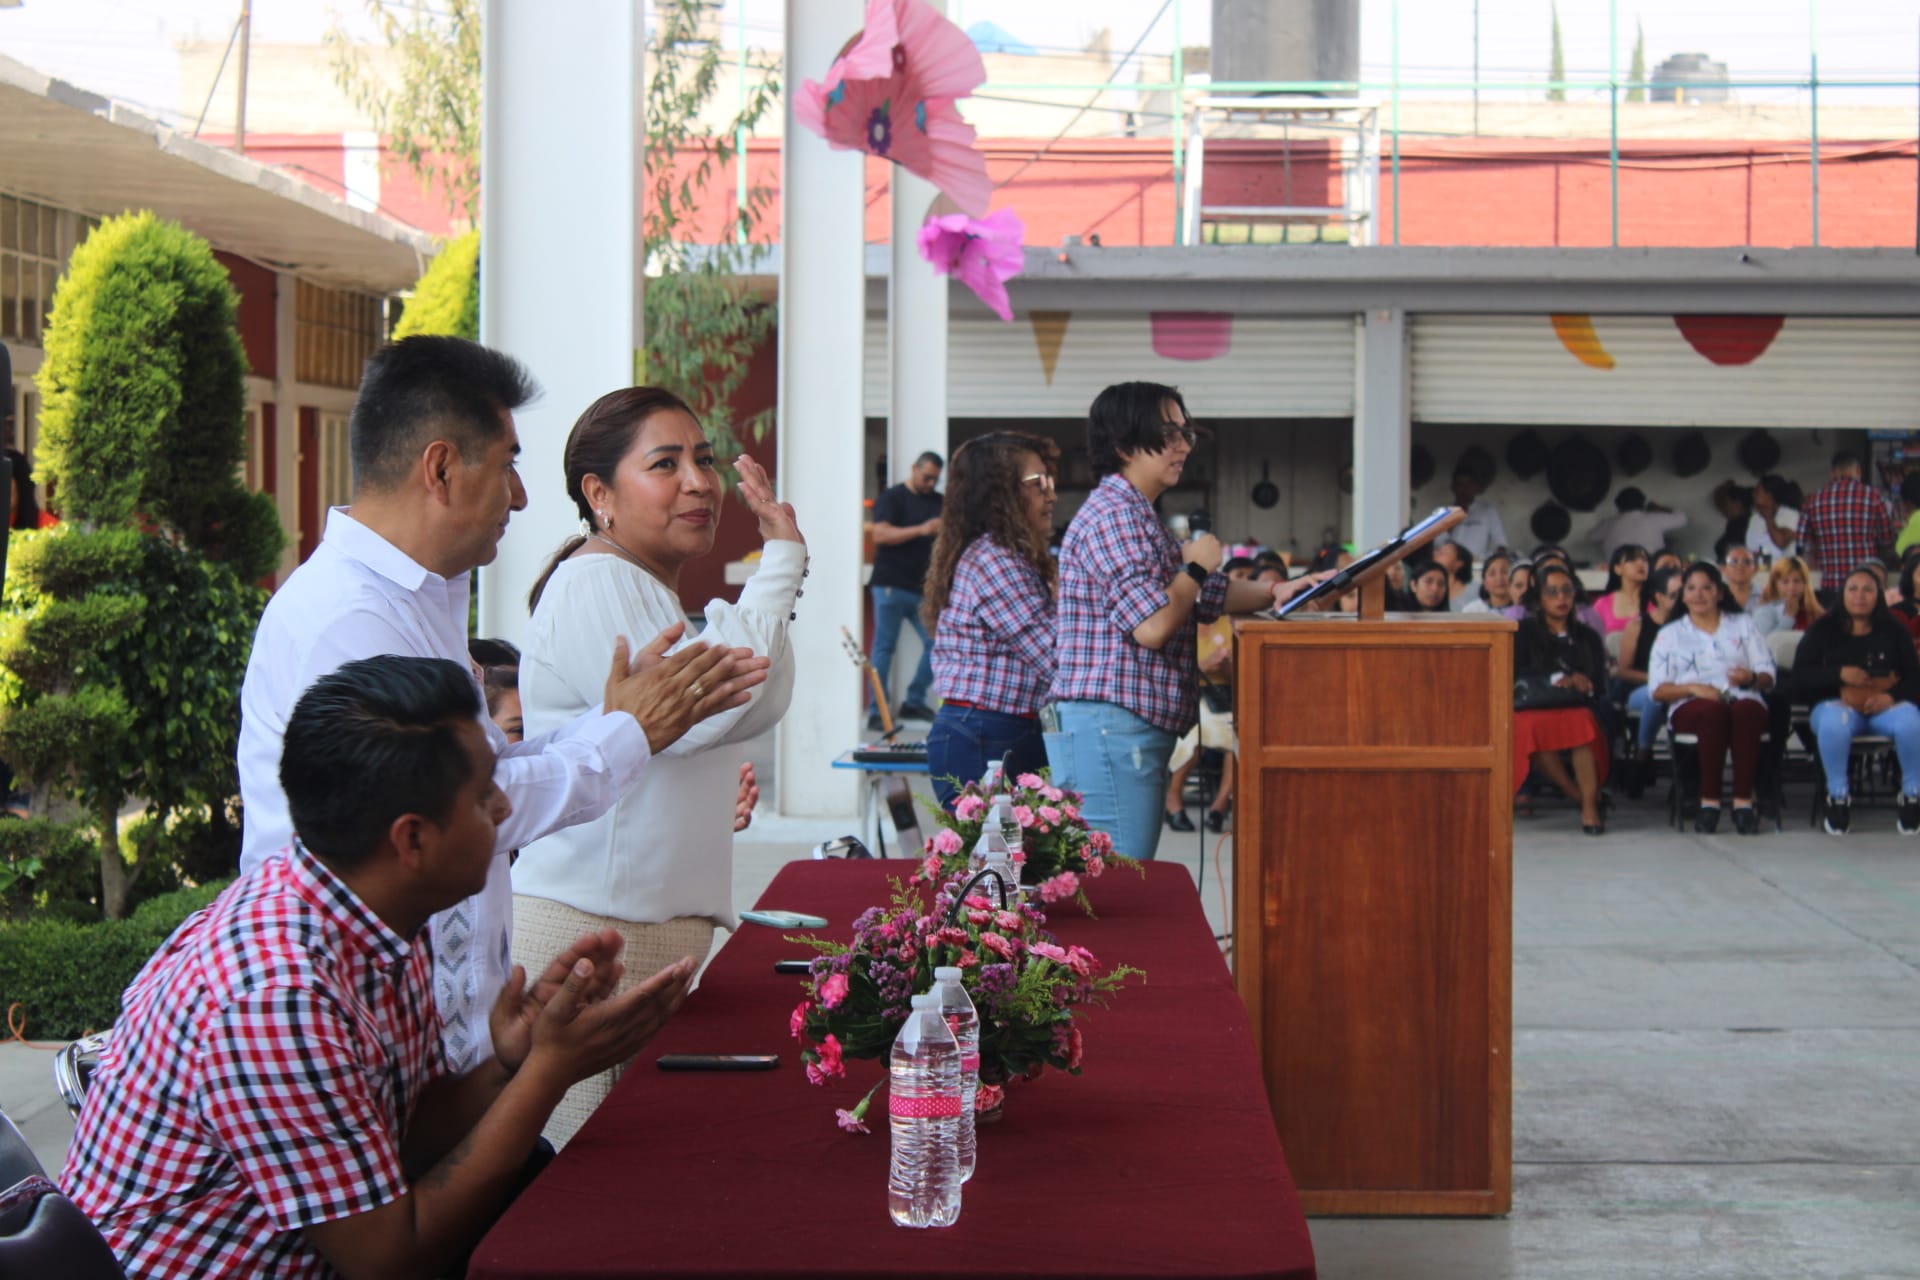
1842 524
259 1078
994 643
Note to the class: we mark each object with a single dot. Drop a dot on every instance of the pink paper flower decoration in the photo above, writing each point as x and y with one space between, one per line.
984 254
891 94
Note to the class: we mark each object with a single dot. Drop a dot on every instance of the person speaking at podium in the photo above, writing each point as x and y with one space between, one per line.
1126 680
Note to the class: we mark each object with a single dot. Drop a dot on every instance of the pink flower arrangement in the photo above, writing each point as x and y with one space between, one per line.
1026 985
1058 855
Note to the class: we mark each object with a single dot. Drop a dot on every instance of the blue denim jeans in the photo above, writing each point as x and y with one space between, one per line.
1118 764
1835 725
891 607
964 740
1652 714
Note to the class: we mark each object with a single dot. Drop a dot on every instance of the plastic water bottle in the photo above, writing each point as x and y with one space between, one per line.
956 1006
923 1108
990 841
1001 865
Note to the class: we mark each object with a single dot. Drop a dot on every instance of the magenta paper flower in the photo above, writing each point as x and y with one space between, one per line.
891 94
984 254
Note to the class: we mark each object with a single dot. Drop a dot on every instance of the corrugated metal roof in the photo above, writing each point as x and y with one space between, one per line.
67 147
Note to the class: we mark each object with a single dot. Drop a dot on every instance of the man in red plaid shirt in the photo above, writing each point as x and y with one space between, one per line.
1844 523
275 1099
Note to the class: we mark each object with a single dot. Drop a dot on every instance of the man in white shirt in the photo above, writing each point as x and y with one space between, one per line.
1636 523
1483 532
435 481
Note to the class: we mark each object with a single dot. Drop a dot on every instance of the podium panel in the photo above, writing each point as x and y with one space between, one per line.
1373 904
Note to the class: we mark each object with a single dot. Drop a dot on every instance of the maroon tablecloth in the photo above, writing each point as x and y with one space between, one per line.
1160 1160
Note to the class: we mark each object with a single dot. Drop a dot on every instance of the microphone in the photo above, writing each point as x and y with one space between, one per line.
1200 522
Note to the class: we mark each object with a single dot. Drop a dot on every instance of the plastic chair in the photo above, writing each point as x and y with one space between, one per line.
42 1233
1784 644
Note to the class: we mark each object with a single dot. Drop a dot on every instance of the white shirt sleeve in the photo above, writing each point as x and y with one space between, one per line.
570 775
758 622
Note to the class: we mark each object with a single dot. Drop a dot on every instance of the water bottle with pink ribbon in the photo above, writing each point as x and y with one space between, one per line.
956 1006
923 1108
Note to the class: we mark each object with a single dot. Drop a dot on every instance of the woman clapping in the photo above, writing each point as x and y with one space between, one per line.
989 604
658 865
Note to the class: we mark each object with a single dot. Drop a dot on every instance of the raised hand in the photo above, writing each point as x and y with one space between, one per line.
777 521
518 1006
749 797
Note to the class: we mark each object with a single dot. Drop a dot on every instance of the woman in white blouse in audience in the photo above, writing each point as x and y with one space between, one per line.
658 866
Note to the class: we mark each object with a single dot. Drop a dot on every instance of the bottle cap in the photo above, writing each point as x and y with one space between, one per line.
947 973
926 1000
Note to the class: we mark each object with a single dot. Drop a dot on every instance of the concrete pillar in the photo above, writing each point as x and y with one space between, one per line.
1382 433
560 264
822 314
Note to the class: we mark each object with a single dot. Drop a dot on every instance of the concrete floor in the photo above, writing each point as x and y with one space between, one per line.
1716 1057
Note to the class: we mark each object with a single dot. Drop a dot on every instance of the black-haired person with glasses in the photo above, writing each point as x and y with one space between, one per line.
1737 568
1126 682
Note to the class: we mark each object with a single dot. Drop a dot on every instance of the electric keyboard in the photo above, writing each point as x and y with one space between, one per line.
890 753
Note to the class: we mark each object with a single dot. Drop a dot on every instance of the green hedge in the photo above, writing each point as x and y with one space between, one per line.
67 977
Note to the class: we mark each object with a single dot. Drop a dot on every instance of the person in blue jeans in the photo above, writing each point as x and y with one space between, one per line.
1858 668
905 519
990 602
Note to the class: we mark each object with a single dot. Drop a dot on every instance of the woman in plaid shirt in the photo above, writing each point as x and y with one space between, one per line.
989 604
1126 682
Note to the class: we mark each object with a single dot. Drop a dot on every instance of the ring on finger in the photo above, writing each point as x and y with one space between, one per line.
698 692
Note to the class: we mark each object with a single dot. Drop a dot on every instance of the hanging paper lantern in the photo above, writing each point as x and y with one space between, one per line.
891 95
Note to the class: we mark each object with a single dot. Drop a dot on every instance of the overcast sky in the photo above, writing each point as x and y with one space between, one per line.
125 48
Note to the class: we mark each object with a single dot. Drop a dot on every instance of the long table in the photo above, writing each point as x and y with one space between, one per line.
1160 1160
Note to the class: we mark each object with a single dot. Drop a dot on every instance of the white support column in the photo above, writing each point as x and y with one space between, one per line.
1382 435
560 264
822 317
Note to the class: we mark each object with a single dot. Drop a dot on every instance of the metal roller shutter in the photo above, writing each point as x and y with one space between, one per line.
1814 372
1271 368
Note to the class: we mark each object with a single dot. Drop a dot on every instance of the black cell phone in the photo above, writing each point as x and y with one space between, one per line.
793 966
719 1061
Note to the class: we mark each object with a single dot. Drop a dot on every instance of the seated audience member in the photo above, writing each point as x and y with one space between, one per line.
1857 668
1910 503
1775 521
1215 727
1584 609
1519 585
1459 565
1787 603
1907 610
1399 596
1738 568
1241 568
1712 670
1668 560
1495 592
989 603
1428 588
499 666
1657 606
1635 522
1619 602
1270 567
1559 672
276 1099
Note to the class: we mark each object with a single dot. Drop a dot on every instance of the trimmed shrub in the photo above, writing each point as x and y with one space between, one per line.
67 977
446 299
44 865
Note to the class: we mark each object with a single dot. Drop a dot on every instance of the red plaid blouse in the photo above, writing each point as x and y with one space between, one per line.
993 646
264 1066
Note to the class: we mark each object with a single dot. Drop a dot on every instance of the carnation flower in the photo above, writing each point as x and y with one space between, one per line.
1031 781
1049 814
1055 794
947 842
851 1121
988 1097
797 1024
833 990
1100 842
998 945
969 808
1064 885
1023 815
830 1064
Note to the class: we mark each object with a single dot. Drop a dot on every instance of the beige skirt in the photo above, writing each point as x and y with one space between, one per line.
543 928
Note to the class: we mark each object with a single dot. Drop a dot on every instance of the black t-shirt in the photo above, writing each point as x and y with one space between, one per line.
904 564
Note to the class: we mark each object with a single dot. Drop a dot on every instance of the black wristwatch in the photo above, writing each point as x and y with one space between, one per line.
1198 573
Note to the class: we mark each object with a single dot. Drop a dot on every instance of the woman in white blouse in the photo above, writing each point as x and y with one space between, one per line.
658 866
1712 670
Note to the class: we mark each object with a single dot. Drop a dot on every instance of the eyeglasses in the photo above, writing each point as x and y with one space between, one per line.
1561 590
1039 480
1173 431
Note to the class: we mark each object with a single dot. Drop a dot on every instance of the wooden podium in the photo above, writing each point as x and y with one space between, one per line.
1373 903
